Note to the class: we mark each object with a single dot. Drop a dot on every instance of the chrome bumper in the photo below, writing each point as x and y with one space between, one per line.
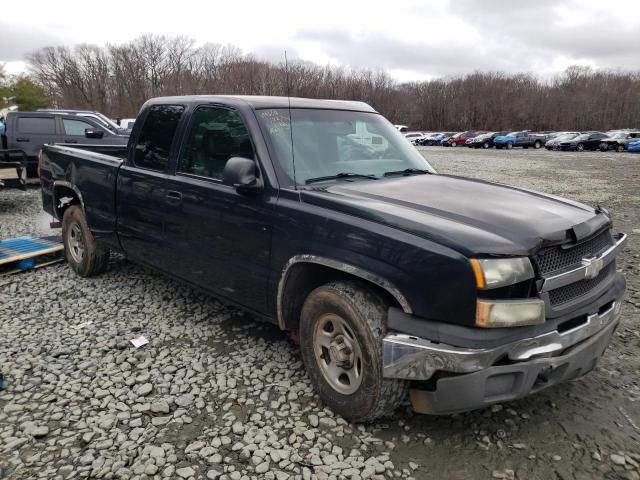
413 358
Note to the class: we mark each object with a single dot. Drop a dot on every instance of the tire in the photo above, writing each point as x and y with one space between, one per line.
509 146
580 147
620 148
485 144
454 144
604 147
537 144
84 255
348 313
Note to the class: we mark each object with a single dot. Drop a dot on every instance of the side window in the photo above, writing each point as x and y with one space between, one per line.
216 134
154 143
42 125
75 127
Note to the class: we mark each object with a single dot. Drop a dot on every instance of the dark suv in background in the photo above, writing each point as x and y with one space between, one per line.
27 132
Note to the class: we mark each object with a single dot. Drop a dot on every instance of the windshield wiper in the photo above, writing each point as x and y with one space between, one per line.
406 171
340 175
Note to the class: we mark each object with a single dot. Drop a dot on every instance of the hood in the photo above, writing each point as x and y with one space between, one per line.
471 216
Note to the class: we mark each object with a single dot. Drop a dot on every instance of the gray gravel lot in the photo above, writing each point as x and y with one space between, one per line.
216 394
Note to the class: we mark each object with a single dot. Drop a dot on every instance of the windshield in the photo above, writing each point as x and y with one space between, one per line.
331 142
512 134
618 135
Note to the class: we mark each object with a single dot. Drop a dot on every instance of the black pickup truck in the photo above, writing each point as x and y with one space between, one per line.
319 216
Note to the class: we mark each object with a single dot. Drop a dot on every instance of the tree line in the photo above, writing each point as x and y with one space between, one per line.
118 79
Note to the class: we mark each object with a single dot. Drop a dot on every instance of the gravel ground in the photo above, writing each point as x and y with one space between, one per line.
216 394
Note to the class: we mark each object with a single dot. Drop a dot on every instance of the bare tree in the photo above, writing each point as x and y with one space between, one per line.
118 79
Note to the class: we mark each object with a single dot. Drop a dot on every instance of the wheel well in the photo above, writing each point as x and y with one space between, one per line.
61 192
302 278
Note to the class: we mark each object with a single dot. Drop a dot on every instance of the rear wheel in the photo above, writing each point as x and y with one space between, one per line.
485 145
84 255
509 146
341 330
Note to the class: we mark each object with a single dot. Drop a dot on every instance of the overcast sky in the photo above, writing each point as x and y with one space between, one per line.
412 40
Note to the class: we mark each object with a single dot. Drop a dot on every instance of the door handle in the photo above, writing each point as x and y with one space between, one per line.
70 140
173 195
22 139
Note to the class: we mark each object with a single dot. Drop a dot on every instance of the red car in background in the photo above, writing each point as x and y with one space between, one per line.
458 139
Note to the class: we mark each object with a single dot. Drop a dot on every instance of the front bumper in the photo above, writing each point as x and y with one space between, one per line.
473 378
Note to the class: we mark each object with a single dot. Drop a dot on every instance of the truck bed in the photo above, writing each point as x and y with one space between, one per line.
92 174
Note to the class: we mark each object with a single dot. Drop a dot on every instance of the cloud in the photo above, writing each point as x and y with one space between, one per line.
19 40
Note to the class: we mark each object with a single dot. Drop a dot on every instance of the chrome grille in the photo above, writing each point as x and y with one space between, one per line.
569 292
554 260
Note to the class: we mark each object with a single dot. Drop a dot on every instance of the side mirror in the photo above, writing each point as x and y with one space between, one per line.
240 173
91 133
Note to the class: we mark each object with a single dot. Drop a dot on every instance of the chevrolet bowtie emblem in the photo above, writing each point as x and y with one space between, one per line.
592 267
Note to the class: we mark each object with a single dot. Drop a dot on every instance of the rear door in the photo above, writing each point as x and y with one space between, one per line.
32 132
221 238
142 190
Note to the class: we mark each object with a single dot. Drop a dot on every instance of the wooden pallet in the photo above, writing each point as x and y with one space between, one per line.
24 253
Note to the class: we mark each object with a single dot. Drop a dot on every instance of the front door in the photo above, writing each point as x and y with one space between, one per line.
222 238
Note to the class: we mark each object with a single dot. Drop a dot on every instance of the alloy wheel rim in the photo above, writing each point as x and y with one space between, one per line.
338 354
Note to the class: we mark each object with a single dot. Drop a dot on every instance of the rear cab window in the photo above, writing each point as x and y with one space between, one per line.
37 125
153 145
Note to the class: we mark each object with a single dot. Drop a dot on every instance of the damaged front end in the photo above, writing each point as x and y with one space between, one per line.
577 286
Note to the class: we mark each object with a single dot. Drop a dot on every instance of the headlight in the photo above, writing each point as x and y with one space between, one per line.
509 313
500 272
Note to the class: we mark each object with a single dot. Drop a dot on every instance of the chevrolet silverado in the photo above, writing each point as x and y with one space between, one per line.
320 217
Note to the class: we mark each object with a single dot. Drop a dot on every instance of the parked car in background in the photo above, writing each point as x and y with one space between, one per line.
127 123
434 138
618 141
584 141
553 141
524 139
484 140
413 136
458 139
633 146
98 117
29 131
402 128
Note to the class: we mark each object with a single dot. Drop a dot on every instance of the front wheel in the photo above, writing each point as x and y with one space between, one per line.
454 144
620 148
485 145
537 144
580 147
84 255
342 326
509 146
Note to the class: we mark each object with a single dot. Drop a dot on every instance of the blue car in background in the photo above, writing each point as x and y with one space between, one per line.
633 146
506 141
